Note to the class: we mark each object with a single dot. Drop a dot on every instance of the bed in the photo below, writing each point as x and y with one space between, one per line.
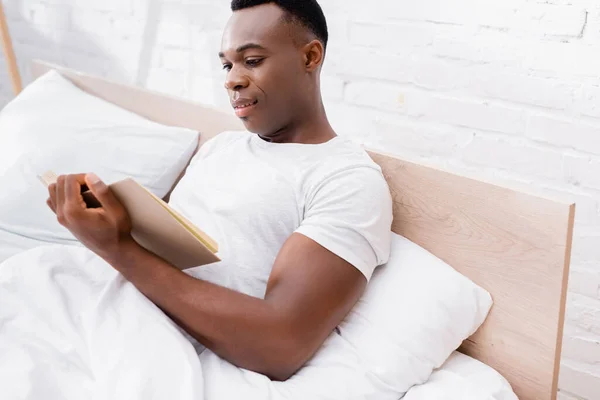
514 244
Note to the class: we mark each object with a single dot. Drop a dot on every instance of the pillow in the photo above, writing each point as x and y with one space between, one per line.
54 125
415 312
463 378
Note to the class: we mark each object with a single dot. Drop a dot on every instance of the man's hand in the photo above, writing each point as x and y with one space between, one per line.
103 230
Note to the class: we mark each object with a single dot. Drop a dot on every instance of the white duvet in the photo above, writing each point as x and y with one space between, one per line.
73 328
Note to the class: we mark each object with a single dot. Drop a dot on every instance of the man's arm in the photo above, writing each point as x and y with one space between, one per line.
309 291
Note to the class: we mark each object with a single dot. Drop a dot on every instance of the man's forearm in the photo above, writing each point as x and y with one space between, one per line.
246 331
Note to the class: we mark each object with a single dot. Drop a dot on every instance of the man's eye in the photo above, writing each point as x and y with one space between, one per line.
254 62
227 67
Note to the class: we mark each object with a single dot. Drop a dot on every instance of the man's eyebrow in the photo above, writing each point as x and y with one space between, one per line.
245 47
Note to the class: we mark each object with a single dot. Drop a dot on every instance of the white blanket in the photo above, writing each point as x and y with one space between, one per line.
73 328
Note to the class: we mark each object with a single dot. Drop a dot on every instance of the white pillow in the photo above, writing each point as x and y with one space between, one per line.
54 125
416 311
463 378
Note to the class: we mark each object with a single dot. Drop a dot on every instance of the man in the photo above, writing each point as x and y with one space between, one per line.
301 215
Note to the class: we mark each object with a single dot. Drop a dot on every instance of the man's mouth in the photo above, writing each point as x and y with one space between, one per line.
244 108
246 105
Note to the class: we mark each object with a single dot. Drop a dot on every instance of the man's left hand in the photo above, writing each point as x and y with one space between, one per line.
103 230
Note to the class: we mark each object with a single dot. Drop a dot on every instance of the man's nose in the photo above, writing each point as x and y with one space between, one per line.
236 80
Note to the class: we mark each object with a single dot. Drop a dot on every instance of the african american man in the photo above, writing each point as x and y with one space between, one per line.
302 216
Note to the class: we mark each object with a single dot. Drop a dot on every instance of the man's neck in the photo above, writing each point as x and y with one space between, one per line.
312 128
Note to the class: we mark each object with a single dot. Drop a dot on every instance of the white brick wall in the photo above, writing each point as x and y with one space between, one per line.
508 89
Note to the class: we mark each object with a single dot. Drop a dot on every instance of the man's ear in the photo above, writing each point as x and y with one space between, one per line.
314 53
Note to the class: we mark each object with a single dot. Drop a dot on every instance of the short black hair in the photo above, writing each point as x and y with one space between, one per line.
307 12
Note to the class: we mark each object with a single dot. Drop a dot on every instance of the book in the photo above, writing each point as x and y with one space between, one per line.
156 226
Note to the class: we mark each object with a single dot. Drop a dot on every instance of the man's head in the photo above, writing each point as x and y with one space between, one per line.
272 52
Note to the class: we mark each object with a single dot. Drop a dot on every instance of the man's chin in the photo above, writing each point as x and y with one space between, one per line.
253 127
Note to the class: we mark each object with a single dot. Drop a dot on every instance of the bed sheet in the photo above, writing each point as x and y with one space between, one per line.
12 244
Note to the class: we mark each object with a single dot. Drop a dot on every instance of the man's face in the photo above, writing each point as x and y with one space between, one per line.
264 68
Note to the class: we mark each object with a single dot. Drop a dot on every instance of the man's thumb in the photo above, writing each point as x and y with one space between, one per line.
102 193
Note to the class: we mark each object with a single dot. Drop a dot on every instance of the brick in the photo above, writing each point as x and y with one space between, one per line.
332 88
172 83
26 52
203 90
584 313
211 16
92 22
89 64
562 395
471 114
586 248
401 135
582 349
113 6
173 35
571 58
554 20
590 102
440 74
352 121
338 30
175 59
587 205
525 89
437 11
375 94
131 28
578 380
522 159
203 41
401 37
585 281
366 63
583 171
494 48
56 16
208 68
564 133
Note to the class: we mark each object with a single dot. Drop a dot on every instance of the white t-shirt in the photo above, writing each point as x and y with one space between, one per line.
251 196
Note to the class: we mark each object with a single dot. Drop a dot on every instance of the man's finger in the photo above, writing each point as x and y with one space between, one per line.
73 196
60 194
52 195
51 205
103 194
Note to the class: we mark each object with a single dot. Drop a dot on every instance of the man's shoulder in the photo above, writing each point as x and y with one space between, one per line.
347 167
349 158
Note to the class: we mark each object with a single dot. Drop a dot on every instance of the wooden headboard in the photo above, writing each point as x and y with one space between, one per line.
515 245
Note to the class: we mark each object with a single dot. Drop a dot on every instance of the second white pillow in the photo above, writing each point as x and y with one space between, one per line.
416 311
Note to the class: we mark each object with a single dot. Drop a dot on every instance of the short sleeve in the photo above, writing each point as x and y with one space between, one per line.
350 214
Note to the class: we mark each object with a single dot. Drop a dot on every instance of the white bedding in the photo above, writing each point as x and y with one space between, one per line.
72 328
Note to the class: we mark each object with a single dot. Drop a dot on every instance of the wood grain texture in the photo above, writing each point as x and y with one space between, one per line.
515 245
9 54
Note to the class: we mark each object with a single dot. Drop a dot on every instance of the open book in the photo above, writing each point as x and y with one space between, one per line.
156 226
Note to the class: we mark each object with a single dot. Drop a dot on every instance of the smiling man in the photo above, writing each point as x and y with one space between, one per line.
302 216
